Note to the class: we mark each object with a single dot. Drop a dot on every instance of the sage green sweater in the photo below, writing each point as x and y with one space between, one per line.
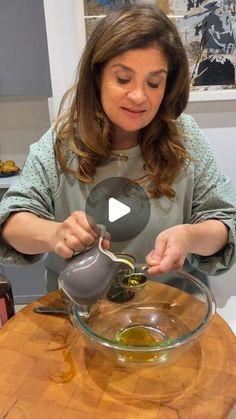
202 192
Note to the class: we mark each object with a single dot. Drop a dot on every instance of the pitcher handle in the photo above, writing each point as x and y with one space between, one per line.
110 254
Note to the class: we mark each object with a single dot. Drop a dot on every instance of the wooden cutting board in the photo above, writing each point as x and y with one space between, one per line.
46 372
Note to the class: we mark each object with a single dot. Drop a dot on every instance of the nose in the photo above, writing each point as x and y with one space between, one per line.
137 95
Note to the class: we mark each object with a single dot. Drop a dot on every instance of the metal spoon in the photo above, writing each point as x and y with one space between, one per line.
145 268
134 280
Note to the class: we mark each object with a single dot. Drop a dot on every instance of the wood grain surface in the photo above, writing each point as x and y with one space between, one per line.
47 372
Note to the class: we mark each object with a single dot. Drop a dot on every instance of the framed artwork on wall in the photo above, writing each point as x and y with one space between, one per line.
208 30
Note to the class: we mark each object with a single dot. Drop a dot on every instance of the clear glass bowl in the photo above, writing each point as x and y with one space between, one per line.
154 326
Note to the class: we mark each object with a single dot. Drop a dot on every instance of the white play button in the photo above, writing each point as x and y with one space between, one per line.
120 204
116 210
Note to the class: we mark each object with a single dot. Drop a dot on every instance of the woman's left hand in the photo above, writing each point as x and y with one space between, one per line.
174 244
171 249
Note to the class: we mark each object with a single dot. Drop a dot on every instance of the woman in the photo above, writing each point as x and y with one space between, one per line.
125 119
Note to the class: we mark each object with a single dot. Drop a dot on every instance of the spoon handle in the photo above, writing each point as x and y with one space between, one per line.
145 268
50 310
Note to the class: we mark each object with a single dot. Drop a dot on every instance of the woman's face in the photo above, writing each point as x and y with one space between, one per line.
132 88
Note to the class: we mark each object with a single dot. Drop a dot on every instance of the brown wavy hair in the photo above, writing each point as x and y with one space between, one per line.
84 127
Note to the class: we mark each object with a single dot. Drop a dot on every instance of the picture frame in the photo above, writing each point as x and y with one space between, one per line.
208 31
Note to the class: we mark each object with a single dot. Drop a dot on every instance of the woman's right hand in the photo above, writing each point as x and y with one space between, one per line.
33 235
75 234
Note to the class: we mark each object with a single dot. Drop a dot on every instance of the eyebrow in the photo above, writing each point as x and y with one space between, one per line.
153 73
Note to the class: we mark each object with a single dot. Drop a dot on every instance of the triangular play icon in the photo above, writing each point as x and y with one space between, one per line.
116 209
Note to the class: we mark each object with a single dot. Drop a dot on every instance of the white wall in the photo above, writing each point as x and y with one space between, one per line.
66 37
218 122
22 121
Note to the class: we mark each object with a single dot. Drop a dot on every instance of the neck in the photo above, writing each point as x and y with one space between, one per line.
123 146
124 140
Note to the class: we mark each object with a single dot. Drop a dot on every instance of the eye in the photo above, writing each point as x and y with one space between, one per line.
153 85
122 80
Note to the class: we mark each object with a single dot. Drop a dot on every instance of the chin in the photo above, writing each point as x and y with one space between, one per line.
132 128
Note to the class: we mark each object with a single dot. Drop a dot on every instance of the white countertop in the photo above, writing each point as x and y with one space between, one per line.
224 289
228 313
6 182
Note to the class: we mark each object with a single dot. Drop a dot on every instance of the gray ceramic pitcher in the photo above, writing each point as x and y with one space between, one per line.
88 275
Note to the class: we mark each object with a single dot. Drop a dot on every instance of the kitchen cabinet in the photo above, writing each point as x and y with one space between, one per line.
24 63
27 282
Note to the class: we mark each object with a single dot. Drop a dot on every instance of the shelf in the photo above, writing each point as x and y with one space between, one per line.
6 182
212 95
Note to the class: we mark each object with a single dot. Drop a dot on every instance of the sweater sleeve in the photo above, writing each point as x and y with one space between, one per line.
33 192
213 198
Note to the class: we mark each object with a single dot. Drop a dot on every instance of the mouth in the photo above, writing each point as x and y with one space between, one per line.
133 112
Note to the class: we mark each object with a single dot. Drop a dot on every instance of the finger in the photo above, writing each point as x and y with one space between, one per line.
79 239
155 270
107 236
162 268
156 255
167 263
63 250
106 244
79 220
172 261
170 258
88 224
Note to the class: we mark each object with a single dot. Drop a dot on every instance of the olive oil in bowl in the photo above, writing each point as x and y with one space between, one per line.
139 335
